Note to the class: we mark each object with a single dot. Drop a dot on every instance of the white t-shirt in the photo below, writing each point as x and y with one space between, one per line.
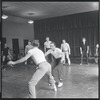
57 53
47 44
37 55
65 46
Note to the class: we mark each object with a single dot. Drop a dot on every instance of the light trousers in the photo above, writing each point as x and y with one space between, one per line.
43 68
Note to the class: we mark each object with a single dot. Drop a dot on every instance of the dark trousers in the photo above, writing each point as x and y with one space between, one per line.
49 57
57 69
84 54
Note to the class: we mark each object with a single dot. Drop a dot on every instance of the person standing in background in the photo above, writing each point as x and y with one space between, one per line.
46 48
97 53
47 44
66 50
84 50
6 53
27 48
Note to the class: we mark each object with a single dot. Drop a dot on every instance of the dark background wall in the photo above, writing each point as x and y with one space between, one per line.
70 27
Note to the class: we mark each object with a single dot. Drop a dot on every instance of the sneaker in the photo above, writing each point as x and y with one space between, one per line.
25 63
60 84
50 84
4 69
55 88
80 63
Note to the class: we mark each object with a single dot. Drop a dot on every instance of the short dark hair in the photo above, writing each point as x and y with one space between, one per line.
36 43
53 43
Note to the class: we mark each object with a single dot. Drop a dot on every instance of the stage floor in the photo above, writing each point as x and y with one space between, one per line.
80 81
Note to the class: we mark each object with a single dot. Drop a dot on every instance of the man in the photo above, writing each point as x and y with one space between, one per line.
97 53
27 48
66 50
47 44
6 53
57 66
43 68
84 50
46 48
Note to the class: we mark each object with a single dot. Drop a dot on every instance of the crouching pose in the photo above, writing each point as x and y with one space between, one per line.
57 65
43 68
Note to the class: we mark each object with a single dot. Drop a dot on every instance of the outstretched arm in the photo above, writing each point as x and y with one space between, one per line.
20 60
87 49
44 48
81 50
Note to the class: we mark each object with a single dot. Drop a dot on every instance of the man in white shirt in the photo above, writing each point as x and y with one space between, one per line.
27 48
57 67
97 53
46 48
47 44
66 50
43 68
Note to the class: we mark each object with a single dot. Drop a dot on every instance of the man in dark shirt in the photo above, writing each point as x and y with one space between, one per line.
84 50
6 53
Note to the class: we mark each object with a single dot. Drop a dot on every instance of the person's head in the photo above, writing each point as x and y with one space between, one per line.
29 42
5 45
63 40
47 38
35 43
97 45
52 45
84 40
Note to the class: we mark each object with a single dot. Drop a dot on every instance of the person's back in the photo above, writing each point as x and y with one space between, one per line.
37 55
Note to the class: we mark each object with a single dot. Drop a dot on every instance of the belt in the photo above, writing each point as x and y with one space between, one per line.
40 63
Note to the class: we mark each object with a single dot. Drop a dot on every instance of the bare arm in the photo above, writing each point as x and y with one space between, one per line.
87 49
44 48
47 53
20 60
81 50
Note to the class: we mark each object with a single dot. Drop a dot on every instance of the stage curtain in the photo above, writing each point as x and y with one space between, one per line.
71 28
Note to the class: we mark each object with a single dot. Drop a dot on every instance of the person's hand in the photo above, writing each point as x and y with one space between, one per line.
11 63
87 52
62 60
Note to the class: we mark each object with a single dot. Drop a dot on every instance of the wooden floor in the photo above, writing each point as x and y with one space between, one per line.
80 81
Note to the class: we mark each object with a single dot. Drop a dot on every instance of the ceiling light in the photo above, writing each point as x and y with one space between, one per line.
30 21
4 16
